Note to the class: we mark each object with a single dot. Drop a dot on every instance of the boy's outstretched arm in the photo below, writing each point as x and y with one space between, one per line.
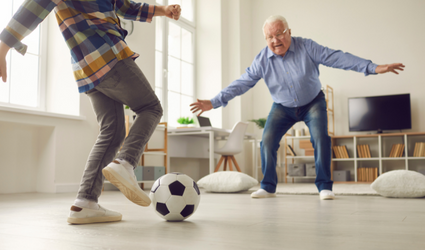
24 21
143 12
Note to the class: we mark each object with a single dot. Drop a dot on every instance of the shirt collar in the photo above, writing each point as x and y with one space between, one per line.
291 48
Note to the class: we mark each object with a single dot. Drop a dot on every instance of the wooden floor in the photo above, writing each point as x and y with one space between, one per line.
222 221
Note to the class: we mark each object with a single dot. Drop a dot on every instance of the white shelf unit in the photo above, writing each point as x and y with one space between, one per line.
309 159
380 147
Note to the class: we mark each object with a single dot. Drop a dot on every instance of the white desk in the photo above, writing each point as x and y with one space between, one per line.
191 146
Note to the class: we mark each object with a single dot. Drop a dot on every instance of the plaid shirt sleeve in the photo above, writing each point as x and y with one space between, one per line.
26 19
135 11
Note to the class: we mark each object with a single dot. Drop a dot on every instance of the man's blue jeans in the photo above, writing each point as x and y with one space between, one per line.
281 119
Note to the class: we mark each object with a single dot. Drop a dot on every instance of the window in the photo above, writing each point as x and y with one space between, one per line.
22 88
175 70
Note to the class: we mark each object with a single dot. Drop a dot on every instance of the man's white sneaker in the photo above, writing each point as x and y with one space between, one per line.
127 184
261 193
80 215
326 195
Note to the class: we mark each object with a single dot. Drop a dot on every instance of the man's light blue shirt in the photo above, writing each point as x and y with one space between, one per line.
293 80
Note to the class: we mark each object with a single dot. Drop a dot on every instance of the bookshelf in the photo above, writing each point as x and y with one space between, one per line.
374 154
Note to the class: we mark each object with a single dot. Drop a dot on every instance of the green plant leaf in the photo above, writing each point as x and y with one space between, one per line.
259 122
185 120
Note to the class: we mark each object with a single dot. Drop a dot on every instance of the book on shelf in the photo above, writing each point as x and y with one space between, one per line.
397 150
340 151
416 152
419 149
290 150
336 153
367 174
359 151
392 151
368 151
401 150
346 151
363 151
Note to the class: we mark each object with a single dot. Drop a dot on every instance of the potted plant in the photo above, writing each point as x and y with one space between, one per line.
260 124
186 121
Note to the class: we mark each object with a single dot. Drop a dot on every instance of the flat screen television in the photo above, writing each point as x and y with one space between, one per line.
378 113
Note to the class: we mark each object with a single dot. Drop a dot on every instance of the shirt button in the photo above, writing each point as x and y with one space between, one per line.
295 100
291 87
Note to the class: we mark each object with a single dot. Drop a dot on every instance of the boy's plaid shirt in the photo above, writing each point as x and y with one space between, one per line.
91 30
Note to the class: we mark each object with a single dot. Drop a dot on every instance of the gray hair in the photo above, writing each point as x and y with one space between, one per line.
273 19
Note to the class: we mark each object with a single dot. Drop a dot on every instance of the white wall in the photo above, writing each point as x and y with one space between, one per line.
209 54
383 31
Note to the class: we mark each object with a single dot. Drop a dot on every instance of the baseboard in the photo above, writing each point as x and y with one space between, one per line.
67 188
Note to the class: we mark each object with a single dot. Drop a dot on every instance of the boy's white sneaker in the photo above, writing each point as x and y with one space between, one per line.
261 193
80 215
327 194
116 173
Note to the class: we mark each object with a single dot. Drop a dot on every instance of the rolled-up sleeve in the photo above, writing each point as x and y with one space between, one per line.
130 10
24 21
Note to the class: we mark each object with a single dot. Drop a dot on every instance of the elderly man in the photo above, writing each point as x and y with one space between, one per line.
290 69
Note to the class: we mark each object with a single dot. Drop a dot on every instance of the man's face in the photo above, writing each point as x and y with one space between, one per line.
278 40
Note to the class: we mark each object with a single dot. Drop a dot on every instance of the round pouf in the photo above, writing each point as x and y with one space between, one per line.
175 196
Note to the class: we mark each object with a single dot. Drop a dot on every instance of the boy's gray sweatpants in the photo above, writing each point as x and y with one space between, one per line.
124 84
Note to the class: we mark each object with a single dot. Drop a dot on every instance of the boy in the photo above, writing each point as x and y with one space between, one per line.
105 70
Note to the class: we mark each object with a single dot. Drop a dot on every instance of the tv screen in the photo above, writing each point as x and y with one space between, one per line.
378 113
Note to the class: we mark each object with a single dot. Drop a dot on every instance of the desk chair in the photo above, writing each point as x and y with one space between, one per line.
233 146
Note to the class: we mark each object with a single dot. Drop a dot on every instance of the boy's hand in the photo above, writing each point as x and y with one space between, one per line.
3 65
173 11
3 69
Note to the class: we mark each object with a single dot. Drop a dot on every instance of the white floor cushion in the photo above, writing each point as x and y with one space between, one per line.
227 182
400 184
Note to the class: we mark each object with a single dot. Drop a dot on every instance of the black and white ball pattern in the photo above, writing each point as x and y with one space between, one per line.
175 196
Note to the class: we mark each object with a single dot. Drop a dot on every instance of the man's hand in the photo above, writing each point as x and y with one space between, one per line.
203 105
389 68
173 11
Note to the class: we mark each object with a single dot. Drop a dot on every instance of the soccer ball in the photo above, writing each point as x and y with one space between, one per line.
175 196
